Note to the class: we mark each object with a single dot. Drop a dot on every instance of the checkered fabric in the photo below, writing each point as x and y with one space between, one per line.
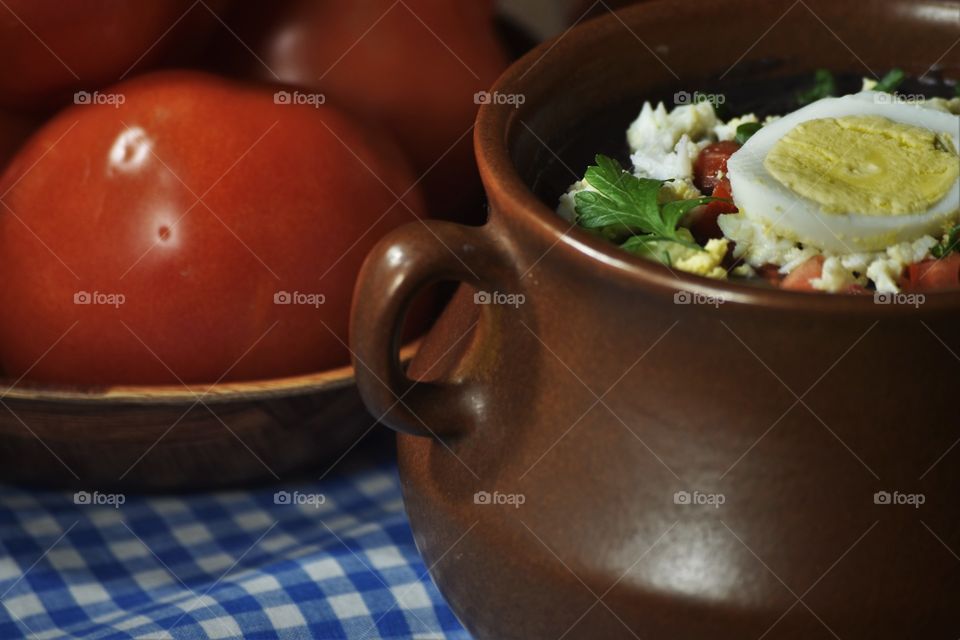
327 559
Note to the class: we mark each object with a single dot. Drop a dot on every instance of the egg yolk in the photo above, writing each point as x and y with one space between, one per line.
866 165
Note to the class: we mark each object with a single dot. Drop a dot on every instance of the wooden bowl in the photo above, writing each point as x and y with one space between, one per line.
177 437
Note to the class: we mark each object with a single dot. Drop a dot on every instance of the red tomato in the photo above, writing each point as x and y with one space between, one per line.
414 66
934 275
704 227
856 289
712 162
189 234
51 48
725 191
799 279
770 273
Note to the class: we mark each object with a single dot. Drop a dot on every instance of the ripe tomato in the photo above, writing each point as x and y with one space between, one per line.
705 226
711 163
51 48
799 279
934 275
770 273
414 66
189 234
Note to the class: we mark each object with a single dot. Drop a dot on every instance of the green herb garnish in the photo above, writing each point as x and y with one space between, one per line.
825 85
890 82
625 208
746 131
641 246
949 245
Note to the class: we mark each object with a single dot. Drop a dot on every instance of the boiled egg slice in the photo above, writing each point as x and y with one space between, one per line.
851 174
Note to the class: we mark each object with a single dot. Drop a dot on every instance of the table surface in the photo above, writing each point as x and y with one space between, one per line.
327 558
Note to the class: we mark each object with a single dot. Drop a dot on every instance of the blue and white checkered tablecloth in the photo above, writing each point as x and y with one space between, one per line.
334 559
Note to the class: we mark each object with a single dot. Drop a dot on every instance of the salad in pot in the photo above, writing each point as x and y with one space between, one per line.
850 194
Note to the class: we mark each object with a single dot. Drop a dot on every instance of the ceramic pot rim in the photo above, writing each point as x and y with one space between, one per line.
515 200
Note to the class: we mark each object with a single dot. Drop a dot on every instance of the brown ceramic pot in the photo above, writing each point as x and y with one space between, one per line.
591 457
583 9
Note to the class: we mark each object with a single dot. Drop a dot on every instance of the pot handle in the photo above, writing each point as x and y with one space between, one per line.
403 263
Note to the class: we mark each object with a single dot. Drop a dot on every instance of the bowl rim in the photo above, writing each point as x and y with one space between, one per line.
492 136
180 394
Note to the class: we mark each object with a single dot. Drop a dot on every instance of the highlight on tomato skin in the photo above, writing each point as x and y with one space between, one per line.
200 231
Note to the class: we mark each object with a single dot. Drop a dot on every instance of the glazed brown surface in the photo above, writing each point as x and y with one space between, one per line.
598 398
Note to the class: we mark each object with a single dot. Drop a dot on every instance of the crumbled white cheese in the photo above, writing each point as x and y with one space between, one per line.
757 245
665 144
658 129
887 268
728 130
836 277
912 252
567 209
675 163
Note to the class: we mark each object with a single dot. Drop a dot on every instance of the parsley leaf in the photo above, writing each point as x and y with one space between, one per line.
644 246
825 85
949 245
626 210
746 131
620 199
890 82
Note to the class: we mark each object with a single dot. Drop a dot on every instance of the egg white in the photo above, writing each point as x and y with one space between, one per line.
763 199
